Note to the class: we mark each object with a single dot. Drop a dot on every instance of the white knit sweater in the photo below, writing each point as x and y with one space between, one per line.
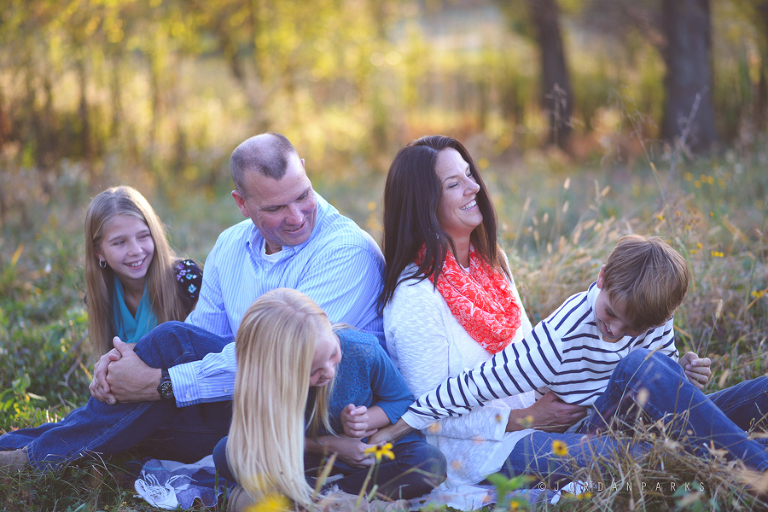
428 345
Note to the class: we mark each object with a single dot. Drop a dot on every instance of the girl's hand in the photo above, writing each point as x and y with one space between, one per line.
355 421
696 369
391 433
350 449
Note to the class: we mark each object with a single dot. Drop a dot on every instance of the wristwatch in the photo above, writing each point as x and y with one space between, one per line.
165 388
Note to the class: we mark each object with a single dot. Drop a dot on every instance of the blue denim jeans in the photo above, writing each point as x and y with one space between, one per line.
404 477
163 430
694 418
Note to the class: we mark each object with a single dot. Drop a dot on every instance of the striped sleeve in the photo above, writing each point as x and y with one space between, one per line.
663 339
520 367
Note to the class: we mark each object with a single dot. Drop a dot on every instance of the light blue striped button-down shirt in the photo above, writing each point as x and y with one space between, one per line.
340 267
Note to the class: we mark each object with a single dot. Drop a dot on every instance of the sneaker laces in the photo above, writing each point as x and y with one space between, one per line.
161 496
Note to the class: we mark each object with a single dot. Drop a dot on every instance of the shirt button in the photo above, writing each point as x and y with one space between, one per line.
226 391
189 395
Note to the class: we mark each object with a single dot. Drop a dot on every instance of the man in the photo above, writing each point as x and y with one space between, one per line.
295 240
171 394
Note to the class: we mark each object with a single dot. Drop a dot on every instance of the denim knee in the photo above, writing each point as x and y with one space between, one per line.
220 460
642 360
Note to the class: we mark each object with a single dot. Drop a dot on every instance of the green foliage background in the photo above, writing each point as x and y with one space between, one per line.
156 94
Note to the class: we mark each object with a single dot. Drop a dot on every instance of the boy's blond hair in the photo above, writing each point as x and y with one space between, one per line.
648 278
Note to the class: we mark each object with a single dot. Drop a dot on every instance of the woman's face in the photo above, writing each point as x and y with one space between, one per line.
327 356
128 248
457 210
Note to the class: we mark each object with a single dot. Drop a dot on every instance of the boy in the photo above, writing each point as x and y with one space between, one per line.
610 347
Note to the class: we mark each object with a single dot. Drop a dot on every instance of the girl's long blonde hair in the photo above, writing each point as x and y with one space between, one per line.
99 282
275 347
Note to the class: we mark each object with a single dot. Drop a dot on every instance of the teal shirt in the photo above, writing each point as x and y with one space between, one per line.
132 328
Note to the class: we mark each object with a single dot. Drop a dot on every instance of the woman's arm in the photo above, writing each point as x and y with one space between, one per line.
417 338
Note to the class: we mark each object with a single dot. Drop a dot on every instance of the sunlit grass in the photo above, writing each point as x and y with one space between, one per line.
558 224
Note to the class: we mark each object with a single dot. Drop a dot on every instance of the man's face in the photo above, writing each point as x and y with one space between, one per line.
284 211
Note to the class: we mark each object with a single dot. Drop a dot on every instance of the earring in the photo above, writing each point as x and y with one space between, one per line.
103 263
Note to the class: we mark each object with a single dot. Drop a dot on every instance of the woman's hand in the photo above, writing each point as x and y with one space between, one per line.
349 449
356 421
696 369
548 414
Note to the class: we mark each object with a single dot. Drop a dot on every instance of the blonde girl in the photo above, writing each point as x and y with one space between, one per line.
304 390
134 281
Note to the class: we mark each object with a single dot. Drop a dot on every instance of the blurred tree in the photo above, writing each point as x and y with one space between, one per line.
688 112
540 20
681 31
557 95
756 12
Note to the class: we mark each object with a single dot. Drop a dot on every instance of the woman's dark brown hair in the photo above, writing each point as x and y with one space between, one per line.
411 198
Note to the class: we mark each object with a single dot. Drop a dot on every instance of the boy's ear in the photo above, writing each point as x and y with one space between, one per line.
600 278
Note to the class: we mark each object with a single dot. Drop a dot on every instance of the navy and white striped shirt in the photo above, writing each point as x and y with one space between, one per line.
564 352
340 267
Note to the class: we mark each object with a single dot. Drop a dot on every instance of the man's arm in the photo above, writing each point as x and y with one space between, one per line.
211 379
345 281
210 313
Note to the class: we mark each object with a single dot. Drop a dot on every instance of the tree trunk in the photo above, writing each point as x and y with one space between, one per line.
761 115
85 125
556 92
688 113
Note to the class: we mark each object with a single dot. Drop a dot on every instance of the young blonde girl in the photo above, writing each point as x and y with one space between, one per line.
303 391
275 350
129 300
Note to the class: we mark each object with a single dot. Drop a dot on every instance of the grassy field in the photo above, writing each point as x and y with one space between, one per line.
559 222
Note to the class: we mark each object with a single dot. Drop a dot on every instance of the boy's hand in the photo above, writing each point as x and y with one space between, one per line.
355 421
696 369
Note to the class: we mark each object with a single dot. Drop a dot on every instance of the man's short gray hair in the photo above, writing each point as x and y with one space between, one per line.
267 153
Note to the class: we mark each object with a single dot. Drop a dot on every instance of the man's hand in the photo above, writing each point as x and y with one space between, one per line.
356 421
548 414
99 387
696 369
129 378
350 449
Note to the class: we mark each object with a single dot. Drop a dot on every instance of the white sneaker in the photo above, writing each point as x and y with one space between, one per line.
161 496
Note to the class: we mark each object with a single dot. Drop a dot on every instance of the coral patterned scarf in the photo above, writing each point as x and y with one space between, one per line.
480 299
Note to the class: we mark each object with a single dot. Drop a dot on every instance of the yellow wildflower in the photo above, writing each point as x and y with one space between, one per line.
759 293
584 496
381 451
716 254
272 502
559 448
514 506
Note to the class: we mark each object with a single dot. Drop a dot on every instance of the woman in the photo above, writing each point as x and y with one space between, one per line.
134 282
281 434
440 226
133 279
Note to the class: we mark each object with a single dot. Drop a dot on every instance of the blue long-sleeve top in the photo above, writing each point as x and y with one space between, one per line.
365 376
